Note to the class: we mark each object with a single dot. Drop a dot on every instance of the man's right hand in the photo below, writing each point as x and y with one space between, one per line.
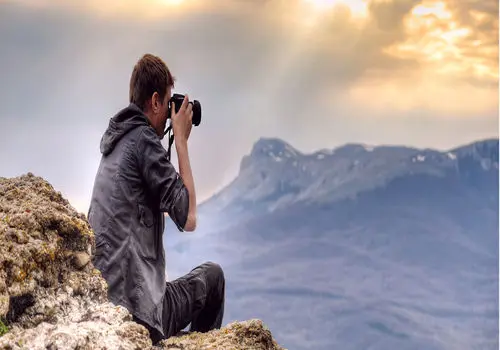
182 121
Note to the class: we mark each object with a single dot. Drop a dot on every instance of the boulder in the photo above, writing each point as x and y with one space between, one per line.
52 297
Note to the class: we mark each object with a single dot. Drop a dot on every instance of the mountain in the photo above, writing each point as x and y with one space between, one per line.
277 175
357 247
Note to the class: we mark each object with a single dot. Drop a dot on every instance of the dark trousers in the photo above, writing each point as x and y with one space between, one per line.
196 298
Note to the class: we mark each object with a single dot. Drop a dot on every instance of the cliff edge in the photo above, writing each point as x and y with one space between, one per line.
51 296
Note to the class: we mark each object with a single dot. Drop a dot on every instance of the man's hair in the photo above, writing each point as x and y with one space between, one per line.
150 74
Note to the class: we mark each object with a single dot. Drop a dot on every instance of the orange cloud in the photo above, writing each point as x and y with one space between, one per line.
455 50
448 46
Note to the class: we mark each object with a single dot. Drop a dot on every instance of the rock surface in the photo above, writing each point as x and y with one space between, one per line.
238 335
51 296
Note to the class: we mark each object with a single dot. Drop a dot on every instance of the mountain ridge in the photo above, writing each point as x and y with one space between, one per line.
276 144
276 172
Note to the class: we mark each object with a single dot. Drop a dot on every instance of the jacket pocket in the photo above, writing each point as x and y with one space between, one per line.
146 235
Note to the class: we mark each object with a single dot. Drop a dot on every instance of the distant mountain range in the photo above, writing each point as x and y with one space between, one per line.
357 247
277 175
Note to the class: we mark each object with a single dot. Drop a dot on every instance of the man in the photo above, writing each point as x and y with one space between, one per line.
134 186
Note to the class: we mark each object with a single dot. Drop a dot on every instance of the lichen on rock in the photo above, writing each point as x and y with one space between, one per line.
251 334
40 235
52 297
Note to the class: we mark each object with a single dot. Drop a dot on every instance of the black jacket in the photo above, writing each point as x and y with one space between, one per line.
134 185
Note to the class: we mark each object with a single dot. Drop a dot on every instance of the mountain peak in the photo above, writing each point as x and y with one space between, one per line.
269 149
352 148
274 148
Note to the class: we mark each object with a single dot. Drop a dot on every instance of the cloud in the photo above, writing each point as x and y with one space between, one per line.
333 49
455 48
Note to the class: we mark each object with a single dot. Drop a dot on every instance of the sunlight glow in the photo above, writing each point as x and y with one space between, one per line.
357 7
456 66
436 37
436 9
172 2
424 91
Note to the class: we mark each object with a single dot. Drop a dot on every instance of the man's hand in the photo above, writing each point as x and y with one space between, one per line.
182 124
182 121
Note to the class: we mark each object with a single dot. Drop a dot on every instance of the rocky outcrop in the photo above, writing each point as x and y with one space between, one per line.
51 296
238 335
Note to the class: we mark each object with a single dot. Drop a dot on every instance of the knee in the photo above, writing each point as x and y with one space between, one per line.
214 269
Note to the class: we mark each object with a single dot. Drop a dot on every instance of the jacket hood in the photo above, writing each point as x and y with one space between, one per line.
125 120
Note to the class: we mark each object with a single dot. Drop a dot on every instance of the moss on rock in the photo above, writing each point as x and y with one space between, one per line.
3 328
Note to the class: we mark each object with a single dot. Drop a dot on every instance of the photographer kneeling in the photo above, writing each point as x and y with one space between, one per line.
134 186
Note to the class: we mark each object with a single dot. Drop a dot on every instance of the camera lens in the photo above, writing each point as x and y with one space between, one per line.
196 112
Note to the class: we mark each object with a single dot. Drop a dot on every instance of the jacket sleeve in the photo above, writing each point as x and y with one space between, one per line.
161 178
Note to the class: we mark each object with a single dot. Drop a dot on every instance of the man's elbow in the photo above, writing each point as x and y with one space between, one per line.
190 223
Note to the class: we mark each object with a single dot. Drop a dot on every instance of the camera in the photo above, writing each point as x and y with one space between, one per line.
178 99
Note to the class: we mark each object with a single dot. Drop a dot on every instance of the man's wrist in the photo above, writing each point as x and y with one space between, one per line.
180 142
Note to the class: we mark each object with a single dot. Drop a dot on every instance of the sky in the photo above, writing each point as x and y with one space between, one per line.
317 74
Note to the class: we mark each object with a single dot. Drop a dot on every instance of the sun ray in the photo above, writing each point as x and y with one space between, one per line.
308 17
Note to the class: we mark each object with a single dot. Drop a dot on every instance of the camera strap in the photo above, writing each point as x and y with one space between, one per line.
170 140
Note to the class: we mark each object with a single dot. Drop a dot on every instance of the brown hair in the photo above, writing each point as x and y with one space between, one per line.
150 74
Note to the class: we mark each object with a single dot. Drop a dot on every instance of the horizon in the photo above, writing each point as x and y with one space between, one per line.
416 73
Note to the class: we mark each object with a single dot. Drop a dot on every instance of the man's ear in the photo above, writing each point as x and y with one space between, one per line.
155 102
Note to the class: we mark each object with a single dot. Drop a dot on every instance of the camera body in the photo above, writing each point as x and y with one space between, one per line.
178 99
